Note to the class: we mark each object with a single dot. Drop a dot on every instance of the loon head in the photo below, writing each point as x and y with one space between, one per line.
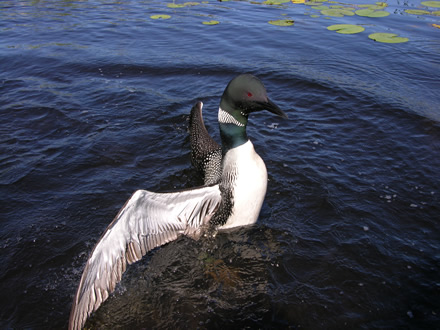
243 95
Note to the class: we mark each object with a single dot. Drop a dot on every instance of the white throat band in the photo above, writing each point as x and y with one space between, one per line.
226 118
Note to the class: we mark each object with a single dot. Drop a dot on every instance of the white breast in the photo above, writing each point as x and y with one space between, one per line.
249 186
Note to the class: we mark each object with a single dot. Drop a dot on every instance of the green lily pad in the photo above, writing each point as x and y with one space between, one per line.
382 4
371 13
342 7
160 16
417 12
436 13
319 7
390 38
435 4
337 12
346 28
210 22
175 5
275 2
314 3
282 22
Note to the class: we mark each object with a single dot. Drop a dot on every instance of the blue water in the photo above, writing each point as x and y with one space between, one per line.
94 104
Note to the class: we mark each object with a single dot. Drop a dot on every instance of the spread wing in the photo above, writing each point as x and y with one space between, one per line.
146 221
206 154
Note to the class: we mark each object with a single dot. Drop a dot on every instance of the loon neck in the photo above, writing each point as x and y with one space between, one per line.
232 136
232 130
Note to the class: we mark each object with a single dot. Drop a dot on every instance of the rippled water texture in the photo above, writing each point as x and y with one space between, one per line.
94 104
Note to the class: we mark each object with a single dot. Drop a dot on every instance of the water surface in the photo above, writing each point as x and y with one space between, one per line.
94 104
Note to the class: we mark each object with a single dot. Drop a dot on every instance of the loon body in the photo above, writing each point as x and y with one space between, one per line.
245 176
235 186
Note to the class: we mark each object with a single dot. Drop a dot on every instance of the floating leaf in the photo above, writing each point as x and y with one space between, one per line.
298 1
337 12
314 3
436 25
175 5
436 13
211 22
319 7
160 16
389 38
417 12
282 22
275 2
346 28
342 7
371 13
435 4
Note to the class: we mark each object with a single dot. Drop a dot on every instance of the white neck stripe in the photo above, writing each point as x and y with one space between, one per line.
226 118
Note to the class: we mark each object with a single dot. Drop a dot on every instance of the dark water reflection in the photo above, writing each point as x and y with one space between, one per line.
94 104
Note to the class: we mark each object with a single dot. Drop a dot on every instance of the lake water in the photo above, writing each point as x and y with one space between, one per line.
94 104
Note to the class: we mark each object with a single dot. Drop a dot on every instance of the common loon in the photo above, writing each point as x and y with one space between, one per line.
233 197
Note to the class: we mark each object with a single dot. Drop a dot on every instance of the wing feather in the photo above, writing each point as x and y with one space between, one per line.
146 221
206 154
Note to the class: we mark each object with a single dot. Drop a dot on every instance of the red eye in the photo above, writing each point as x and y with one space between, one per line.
249 94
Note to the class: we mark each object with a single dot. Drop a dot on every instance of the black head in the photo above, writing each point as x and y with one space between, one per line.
245 94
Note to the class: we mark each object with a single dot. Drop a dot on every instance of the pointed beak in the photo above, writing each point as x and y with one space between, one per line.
272 107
